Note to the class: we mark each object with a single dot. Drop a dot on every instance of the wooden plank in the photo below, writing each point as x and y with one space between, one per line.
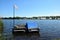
19 30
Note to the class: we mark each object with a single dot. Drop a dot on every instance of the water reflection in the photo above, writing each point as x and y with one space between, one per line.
26 36
23 36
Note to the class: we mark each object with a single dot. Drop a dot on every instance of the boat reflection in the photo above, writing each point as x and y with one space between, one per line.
26 36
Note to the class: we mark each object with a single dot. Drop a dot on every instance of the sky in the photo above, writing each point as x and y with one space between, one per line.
29 8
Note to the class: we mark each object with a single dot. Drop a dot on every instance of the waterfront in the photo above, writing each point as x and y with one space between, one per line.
49 29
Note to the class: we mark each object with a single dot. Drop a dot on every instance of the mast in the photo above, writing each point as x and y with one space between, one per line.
13 15
14 7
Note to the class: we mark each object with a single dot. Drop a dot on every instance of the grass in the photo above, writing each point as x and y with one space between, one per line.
1 23
1 26
1 30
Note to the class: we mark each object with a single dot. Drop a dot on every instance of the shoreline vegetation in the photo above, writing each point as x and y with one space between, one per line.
1 26
1 30
40 17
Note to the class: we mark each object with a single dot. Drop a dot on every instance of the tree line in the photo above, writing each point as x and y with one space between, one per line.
40 17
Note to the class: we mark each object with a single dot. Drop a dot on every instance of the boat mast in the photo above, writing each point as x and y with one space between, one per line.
13 15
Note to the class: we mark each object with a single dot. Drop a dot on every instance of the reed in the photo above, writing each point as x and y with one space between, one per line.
1 30
1 26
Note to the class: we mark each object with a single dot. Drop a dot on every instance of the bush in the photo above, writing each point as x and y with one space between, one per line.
1 26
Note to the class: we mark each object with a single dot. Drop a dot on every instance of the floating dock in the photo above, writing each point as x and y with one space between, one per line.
19 28
32 27
29 27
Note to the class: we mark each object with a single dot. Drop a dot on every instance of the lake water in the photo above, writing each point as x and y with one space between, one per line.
49 29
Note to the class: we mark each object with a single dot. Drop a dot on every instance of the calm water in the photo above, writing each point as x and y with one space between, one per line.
49 29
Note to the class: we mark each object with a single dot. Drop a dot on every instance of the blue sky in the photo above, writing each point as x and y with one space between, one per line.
29 8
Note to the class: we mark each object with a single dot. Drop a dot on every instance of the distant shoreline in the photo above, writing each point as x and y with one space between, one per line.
31 19
40 18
